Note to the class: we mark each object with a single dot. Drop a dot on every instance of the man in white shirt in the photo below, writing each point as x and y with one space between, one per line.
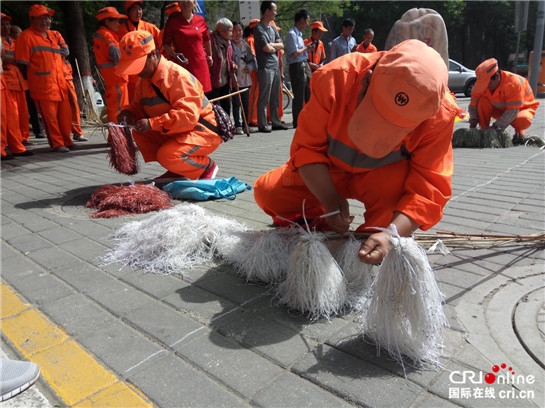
344 43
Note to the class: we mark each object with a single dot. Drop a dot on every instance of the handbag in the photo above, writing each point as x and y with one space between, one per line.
202 190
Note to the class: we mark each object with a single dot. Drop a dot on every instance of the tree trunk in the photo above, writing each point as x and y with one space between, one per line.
79 56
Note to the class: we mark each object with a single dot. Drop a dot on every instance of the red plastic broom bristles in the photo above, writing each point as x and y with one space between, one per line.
123 151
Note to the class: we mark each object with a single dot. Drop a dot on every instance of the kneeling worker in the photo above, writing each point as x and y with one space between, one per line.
504 96
378 129
167 105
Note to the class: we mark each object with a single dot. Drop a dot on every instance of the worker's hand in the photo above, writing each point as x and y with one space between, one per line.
143 126
126 116
339 223
375 248
182 59
313 66
473 123
310 46
235 67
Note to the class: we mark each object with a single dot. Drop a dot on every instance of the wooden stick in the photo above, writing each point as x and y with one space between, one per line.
219 98
243 114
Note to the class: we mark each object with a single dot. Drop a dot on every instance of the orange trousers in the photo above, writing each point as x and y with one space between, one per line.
116 96
74 106
10 132
187 160
486 112
57 120
252 105
281 192
22 110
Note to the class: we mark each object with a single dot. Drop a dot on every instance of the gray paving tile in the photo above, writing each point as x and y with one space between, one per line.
158 286
118 297
192 388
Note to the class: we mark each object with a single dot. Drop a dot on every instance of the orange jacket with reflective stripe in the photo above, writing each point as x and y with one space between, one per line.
370 48
12 75
103 40
142 25
42 57
318 55
321 137
251 42
179 116
513 92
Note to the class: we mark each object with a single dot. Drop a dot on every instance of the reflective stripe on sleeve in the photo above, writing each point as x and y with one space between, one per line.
153 101
42 73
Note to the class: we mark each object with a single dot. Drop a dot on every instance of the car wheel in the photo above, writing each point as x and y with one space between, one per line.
469 87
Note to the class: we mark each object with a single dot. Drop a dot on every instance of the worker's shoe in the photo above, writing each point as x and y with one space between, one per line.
27 143
7 157
280 127
25 153
16 376
518 139
79 138
265 130
61 149
72 147
210 172
39 135
169 177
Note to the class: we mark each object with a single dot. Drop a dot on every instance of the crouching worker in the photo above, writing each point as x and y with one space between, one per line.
378 129
504 96
166 108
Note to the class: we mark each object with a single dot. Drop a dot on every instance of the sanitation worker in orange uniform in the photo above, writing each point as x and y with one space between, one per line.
107 54
504 96
134 22
316 55
10 135
168 110
39 54
378 134
366 45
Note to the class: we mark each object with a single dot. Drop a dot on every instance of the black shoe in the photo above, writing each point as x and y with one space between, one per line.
280 127
265 130
40 136
7 157
27 143
25 153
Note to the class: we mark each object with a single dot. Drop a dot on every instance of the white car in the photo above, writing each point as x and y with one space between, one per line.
460 78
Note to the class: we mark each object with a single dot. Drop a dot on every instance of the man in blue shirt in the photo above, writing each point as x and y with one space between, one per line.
296 54
344 43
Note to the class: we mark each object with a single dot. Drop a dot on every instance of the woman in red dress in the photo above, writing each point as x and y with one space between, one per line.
186 36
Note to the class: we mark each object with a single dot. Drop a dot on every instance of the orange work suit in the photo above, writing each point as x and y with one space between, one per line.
317 56
106 49
72 95
176 139
513 92
42 56
157 38
368 49
16 86
415 178
10 135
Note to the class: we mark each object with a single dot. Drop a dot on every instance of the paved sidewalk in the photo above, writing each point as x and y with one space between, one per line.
211 340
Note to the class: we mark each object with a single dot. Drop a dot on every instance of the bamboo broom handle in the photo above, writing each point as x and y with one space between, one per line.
219 98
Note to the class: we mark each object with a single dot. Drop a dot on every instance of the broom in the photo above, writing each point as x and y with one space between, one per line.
122 153
481 138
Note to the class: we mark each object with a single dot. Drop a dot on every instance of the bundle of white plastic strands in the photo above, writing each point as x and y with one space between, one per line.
171 240
357 274
314 283
404 314
259 256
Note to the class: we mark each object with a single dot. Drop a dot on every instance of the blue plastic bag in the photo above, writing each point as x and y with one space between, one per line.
202 190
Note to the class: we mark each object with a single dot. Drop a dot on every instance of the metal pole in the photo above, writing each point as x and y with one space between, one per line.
538 45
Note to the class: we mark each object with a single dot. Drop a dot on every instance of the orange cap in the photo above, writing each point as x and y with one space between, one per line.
172 8
2 15
135 47
37 10
275 26
108 12
129 4
253 22
319 25
407 87
484 72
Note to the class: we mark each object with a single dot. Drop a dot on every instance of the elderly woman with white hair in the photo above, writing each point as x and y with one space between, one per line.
223 65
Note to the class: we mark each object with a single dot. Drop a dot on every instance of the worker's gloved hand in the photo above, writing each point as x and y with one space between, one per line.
143 126
375 248
126 116
339 223
473 123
